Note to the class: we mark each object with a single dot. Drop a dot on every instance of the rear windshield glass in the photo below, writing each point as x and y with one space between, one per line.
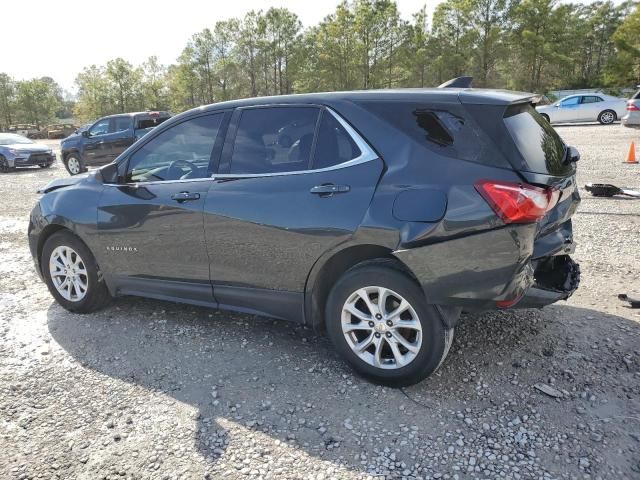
540 146
149 122
636 96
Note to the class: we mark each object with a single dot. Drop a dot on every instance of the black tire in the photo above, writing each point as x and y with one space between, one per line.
546 117
607 117
436 339
4 165
97 295
77 158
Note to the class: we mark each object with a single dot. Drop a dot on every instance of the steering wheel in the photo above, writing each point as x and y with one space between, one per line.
178 163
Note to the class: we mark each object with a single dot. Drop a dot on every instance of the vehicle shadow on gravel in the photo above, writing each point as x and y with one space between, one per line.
281 379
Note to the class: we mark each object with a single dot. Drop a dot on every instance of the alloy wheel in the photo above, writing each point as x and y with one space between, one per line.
381 327
68 273
607 117
74 165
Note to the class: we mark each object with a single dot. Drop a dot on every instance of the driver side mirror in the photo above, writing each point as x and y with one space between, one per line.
85 133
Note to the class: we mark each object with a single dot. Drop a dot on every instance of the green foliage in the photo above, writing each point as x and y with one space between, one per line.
534 45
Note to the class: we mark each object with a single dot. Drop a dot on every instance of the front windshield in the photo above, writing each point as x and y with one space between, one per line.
9 139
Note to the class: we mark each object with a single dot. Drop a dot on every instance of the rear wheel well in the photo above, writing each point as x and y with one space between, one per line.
66 155
333 269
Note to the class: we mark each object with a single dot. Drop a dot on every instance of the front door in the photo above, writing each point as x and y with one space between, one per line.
568 110
96 150
150 225
294 182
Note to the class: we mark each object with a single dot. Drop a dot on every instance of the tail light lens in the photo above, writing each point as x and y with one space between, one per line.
517 202
632 107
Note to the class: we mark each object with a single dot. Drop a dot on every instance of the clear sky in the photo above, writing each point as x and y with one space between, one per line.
59 37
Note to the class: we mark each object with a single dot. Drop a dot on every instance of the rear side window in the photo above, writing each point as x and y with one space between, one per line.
121 124
537 141
274 139
591 99
334 145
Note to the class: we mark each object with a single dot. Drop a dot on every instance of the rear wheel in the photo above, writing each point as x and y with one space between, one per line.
607 117
380 323
72 275
74 164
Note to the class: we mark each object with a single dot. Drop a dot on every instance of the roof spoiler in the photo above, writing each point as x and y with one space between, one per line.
460 82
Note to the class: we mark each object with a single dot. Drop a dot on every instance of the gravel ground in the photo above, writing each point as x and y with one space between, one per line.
155 390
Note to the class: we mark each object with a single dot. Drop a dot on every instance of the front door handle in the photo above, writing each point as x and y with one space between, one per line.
328 189
185 197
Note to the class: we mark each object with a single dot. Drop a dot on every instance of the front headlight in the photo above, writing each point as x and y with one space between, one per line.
13 151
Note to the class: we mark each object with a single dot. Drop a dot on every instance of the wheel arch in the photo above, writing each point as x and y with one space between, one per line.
324 275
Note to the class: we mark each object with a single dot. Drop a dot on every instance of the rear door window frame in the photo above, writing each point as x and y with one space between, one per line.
366 151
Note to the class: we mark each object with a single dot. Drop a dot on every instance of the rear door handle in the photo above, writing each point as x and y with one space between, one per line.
185 197
328 189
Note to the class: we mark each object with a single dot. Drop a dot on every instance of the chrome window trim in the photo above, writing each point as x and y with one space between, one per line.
367 154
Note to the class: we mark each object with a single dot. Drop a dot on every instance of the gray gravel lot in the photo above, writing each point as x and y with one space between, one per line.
155 390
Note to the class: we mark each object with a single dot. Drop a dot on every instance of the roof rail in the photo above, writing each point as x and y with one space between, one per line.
460 82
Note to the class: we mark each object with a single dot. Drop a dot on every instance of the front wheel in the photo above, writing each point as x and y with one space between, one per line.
379 321
74 164
4 165
72 275
607 117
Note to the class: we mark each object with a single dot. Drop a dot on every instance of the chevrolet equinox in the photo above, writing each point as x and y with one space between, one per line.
378 216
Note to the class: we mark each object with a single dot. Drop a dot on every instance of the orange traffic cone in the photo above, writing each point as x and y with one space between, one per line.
631 154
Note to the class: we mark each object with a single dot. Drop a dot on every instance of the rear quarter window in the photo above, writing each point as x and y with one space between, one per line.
447 131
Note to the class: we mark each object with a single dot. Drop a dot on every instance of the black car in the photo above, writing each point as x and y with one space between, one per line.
105 139
379 216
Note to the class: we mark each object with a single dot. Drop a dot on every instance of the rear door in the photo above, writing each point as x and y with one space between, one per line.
294 181
591 106
150 223
120 135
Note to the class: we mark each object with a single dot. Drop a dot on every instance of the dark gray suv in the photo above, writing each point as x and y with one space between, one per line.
377 216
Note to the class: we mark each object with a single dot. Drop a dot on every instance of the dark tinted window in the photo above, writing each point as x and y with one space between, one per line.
334 145
591 99
149 122
636 96
274 139
537 141
446 132
181 152
121 124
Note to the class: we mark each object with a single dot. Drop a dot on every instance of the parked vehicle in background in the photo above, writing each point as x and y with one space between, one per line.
60 130
592 107
373 215
25 129
17 151
632 117
106 138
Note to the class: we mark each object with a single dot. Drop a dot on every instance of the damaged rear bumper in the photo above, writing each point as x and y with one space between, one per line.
555 278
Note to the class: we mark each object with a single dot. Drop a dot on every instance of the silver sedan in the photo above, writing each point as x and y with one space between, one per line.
591 107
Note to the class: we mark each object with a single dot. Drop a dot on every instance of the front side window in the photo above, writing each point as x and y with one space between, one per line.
100 128
182 152
121 124
570 102
274 139
334 145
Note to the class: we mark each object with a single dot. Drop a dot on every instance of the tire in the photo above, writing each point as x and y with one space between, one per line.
96 295
546 117
4 166
431 347
74 164
607 117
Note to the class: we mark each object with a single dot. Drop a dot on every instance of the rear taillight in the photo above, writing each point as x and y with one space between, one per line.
632 107
517 202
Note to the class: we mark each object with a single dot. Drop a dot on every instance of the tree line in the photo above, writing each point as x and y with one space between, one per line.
531 45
